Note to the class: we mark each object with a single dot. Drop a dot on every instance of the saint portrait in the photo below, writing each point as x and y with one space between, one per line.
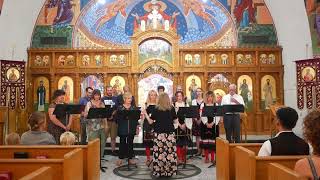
65 83
117 83
219 93
70 60
85 60
308 74
188 59
268 91
197 59
224 58
62 60
192 83
263 58
38 61
41 91
212 59
113 59
13 74
46 60
122 60
244 85
98 60
240 58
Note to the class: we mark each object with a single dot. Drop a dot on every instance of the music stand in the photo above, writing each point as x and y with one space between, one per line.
132 117
213 111
233 109
188 112
98 113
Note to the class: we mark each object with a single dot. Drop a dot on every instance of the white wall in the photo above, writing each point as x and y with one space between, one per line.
18 18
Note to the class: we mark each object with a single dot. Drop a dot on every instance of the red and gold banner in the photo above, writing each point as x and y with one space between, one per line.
13 84
308 83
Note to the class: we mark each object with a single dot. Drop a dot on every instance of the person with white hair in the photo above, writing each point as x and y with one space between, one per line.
231 121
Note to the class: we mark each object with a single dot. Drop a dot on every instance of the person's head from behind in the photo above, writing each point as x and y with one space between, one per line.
67 138
89 92
37 121
152 96
179 96
161 89
286 118
127 98
58 96
12 139
164 102
96 95
210 97
109 91
311 129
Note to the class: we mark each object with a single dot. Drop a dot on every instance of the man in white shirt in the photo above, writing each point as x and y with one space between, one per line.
285 142
232 121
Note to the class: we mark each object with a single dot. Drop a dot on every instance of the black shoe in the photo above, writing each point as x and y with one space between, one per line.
114 153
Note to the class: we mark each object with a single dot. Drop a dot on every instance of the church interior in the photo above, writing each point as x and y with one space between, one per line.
259 55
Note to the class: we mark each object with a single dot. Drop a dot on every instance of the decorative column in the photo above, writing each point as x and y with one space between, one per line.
77 94
53 84
205 82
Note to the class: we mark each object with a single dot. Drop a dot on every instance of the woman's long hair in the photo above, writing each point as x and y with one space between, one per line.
164 103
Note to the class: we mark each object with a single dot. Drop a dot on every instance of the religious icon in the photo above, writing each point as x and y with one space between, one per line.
66 84
219 93
308 74
46 60
61 60
85 60
212 59
41 96
70 60
117 82
96 82
155 49
38 60
188 59
224 58
245 90
197 59
122 60
248 59
271 59
263 58
113 59
13 74
192 83
240 58
98 60
41 91
268 91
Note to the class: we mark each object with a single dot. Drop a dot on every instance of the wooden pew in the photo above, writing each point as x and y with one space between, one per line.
251 167
225 157
279 172
44 173
68 168
91 155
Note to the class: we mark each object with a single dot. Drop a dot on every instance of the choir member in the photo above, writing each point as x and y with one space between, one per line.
164 149
148 134
197 121
58 122
209 129
182 136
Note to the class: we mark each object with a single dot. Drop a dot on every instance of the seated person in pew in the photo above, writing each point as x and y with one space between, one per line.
67 138
285 142
310 166
12 139
37 134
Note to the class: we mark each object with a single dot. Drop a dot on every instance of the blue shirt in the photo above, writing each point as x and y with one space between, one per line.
84 100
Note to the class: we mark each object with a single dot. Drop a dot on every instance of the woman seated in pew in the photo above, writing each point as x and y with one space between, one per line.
58 122
164 148
67 139
310 167
37 134
285 142
12 139
209 129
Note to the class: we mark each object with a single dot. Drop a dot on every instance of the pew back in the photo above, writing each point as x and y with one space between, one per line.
251 167
44 173
279 172
226 157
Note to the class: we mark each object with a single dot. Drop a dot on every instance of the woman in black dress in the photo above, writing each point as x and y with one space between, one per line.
127 129
148 133
164 149
57 122
209 130
197 121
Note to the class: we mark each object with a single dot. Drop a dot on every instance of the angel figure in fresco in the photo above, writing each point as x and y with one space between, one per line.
156 16
193 88
200 9
110 11
267 89
66 88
